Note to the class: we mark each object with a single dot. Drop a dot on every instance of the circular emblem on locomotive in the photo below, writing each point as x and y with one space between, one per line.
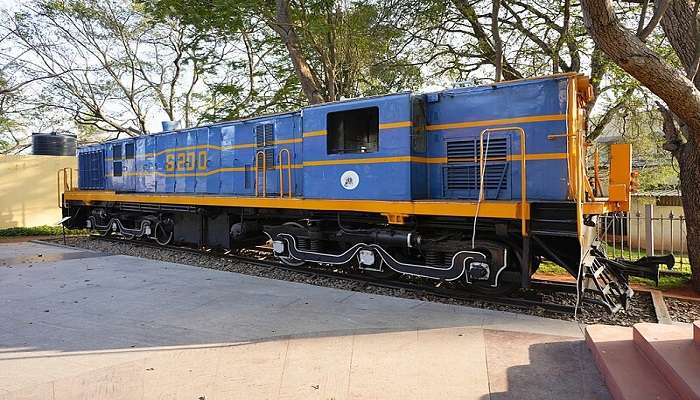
349 180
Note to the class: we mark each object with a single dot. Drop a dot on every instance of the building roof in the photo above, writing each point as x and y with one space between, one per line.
658 193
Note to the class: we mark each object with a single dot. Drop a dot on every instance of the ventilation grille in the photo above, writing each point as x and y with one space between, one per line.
467 177
467 151
269 157
91 170
264 135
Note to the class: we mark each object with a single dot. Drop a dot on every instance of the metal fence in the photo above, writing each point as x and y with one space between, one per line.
634 235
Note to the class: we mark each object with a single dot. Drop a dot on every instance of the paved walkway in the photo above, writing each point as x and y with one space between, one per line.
76 324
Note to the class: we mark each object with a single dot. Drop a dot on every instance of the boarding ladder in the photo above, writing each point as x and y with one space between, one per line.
64 183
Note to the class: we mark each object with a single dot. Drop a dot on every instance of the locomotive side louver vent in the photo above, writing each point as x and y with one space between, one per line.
467 151
91 169
264 135
269 157
461 175
467 177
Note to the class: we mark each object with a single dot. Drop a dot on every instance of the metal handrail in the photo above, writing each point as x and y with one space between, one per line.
67 174
289 171
58 187
257 171
523 173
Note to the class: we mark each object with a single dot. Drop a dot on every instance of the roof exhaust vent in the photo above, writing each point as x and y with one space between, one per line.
170 125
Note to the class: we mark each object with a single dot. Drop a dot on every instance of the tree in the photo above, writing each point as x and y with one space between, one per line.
336 49
111 66
674 79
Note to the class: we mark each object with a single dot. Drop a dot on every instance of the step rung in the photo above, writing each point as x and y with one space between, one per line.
674 354
627 373
553 233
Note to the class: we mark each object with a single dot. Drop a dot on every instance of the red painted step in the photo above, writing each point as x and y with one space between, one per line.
672 350
696 332
628 374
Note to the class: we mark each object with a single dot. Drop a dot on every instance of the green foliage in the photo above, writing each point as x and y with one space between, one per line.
353 48
658 177
44 230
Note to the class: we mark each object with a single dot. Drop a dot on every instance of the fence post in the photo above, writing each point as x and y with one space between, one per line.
649 228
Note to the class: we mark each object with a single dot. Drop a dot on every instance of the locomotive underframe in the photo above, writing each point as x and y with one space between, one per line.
500 261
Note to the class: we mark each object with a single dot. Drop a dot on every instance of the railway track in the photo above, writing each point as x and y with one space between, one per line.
262 257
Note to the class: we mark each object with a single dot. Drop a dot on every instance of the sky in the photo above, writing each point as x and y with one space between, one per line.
8 4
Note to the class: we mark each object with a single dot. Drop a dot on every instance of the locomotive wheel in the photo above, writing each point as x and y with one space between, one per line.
163 232
503 288
292 262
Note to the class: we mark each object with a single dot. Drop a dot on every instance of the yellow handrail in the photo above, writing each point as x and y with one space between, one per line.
523 173
67 174
58 187
257 171
289 171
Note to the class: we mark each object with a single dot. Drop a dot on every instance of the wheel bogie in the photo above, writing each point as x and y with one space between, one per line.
436 249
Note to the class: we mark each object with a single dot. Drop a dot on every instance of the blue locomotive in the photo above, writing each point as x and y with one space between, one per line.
478 184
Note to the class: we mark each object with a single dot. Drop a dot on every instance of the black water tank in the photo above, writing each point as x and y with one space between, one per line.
53 144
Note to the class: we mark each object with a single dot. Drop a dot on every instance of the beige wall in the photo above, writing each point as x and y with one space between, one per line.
664 229
28 189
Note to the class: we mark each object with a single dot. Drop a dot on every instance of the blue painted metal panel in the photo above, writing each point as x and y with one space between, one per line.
145 164
119 183
242 155
130 172
379 179
109 184
91 174
165 163
180 159
227 158
213 162
539 99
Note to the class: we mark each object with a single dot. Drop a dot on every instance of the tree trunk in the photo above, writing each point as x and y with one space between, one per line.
671 85
497 44
283 26
689 161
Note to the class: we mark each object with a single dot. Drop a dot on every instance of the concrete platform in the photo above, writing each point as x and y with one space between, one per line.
81 325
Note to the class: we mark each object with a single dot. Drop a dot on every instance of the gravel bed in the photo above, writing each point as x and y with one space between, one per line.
683 310
642 309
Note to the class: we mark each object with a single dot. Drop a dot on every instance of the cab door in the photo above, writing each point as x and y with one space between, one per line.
130 173
145 164
116 150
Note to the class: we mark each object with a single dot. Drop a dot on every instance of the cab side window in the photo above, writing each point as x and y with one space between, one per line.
353 131
129 151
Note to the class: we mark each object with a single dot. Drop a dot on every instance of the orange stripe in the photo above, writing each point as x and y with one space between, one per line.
392 125
314 133
505 121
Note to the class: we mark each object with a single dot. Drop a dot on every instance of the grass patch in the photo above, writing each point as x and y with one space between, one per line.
681 259
44 230
666 281
550 268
